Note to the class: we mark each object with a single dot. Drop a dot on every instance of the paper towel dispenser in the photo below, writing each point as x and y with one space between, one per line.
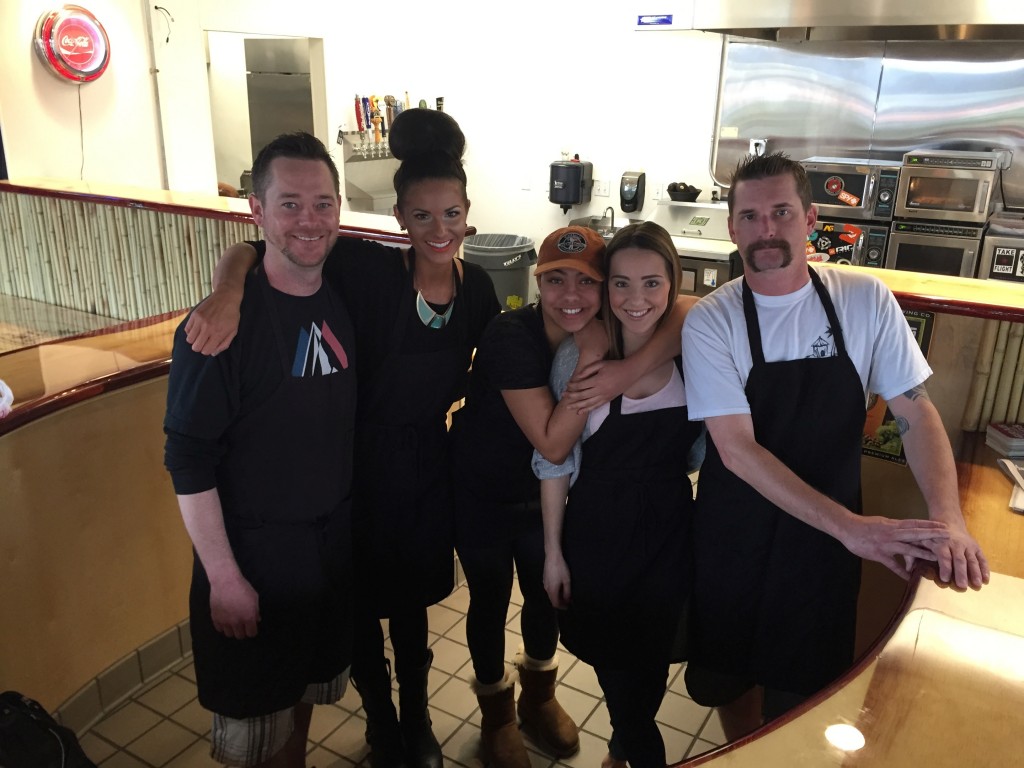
571 182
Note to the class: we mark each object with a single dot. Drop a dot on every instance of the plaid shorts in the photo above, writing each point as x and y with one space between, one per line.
254 740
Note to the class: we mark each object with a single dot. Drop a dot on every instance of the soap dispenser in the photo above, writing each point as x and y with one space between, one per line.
631 191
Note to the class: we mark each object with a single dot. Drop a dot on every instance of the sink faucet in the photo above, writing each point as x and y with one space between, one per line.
611 214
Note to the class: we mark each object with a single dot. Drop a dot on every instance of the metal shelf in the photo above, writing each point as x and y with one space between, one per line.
351 141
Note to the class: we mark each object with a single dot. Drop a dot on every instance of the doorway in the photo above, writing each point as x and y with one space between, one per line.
260 86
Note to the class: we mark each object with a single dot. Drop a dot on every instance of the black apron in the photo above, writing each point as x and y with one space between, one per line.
775 599
285 487
403 506
626 539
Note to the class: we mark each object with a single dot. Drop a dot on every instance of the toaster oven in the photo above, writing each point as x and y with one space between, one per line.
943 185
849 188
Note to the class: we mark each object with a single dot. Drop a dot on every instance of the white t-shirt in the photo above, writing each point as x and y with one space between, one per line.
879 341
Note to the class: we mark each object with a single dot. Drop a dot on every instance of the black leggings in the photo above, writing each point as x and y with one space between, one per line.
408 631
489 573
633 697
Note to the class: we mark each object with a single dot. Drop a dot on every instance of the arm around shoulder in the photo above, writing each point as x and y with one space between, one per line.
551 427
551 424
214 322
599 382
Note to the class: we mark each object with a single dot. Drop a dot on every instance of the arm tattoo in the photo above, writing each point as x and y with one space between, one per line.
916 392
902 424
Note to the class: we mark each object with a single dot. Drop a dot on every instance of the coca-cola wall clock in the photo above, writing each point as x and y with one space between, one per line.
72 44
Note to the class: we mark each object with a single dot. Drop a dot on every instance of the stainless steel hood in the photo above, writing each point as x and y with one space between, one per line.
796 20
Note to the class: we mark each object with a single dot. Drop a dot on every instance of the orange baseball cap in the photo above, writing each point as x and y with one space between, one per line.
572 247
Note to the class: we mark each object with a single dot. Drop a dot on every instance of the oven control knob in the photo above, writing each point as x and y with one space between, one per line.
885 196
874 254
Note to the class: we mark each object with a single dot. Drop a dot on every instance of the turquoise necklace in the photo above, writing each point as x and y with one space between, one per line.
428 316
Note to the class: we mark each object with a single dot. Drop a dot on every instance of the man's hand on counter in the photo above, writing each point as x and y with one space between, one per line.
960 560
214 322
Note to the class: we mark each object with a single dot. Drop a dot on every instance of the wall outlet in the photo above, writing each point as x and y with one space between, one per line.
658 191
600 188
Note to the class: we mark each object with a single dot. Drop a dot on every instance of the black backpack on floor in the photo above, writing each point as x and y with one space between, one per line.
31 738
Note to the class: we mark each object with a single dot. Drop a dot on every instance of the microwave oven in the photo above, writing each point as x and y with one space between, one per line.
850 188
945 185
934 248
844 242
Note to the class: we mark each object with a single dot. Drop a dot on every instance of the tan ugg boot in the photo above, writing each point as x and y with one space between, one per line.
542 716
501 744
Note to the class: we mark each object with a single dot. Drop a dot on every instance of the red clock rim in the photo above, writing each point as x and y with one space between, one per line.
46 46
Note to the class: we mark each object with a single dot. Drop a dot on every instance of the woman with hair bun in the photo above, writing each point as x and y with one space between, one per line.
418 314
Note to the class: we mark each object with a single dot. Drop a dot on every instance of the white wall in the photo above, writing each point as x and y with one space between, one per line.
179 58
229 106
526 83
117 139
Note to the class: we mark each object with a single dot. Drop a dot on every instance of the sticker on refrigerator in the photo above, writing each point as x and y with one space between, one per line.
1003 261
1007 264
711 278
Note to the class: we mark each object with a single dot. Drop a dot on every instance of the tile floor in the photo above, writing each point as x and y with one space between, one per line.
162 725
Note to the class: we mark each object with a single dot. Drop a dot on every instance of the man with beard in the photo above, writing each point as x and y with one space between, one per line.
779 363
259 447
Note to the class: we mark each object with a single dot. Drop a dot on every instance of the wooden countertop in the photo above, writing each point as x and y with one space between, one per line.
984 499
55 374
993 299
945 686
373 226
945 690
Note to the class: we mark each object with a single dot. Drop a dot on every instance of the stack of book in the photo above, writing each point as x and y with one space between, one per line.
1007 439
1013 471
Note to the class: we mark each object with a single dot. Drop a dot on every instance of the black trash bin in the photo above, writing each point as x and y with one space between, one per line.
507 259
